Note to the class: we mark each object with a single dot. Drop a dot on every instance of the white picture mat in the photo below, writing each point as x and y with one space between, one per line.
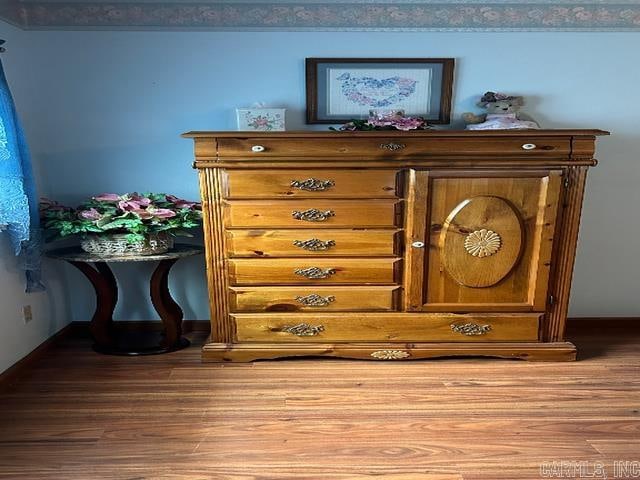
416 103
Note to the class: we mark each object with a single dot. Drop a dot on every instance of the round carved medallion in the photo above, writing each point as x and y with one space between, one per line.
482 243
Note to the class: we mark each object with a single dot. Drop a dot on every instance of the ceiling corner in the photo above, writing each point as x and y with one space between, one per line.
11 11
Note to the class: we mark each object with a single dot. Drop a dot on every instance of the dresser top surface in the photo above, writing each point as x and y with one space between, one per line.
392 133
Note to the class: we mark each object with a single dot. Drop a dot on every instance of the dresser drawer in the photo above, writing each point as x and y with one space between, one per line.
378 147
384 327
316 298
312 213
287 271
300 242
311 184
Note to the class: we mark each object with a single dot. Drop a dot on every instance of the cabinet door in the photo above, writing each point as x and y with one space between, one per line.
487 239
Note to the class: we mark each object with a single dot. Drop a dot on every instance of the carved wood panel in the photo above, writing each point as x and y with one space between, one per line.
488 238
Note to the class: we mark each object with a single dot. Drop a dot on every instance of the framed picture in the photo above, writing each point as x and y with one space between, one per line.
260 119
342 89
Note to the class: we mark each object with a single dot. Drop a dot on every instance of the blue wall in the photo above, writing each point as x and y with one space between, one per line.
104 110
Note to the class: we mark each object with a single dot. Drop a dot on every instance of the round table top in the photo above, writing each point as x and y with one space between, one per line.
76 254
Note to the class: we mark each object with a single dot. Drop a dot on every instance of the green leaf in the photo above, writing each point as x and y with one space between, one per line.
135 238
127 223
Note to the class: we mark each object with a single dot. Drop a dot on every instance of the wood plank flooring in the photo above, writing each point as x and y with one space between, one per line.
78 415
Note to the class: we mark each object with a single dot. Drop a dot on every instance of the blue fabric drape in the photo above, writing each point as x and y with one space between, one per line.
19 215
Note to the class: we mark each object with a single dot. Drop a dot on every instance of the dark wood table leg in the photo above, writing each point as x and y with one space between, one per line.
169 311
104 283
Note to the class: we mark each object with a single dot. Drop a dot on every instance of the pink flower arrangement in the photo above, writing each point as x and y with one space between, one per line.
386 122
132 213
398 122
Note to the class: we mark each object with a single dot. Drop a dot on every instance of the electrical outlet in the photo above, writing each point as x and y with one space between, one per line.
27 314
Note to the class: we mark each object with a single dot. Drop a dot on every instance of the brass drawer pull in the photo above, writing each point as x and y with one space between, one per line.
312 215
392 146
314 244
315 300
390 354
315 272
303 329
312 184
470 328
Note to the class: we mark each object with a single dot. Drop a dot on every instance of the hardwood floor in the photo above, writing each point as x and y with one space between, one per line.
78 415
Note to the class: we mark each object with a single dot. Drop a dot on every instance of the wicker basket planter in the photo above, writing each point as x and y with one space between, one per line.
116 244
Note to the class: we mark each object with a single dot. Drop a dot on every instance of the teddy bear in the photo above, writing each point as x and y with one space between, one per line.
502 113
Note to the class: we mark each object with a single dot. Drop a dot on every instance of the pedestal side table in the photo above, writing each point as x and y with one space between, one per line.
111 340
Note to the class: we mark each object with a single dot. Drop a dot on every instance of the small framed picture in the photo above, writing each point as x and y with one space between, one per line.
260 119
343 89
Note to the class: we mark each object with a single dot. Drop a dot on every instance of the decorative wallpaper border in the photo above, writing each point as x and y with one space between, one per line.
329 15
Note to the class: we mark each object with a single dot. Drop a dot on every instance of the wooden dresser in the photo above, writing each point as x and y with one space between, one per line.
391 245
